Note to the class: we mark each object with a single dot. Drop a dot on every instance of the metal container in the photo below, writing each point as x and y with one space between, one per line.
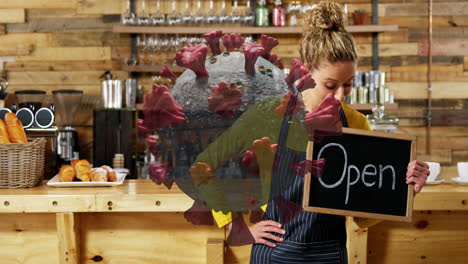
107 93
117 94
112 93
130 93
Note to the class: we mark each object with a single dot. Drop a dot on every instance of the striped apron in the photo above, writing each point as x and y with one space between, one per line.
310 237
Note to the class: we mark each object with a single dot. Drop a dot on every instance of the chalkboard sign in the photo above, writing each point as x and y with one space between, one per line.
364 175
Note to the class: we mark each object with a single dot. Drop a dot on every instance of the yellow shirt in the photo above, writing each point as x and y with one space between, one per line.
355 120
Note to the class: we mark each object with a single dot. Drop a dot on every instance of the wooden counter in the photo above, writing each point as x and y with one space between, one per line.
146 225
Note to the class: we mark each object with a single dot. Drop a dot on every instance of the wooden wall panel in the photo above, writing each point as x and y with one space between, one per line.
99 7
39 40
58 78
24 66
418 90
11 16
68 54
38 4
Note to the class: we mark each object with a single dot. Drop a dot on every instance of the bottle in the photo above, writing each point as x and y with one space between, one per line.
278 18
261 19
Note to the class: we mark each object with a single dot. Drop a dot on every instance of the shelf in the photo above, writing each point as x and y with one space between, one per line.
368 107
242 30
358 107
150 68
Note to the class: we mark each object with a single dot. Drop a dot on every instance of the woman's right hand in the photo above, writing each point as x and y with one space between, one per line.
264 229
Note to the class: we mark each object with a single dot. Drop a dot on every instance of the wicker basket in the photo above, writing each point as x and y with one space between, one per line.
22 165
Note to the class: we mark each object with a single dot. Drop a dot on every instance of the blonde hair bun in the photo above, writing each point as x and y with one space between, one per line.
325 16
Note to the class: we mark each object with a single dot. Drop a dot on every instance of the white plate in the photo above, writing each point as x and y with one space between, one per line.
55 182
438 181
460 180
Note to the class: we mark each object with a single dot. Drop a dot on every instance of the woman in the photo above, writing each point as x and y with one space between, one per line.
329 52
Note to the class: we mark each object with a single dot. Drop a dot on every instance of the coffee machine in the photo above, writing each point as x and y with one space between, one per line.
66 104
38 119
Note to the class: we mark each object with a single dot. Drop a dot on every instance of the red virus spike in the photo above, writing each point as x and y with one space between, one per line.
232 42
240 234
141 129
199 214
305 82
324 120
201 173
287 108
287 209
315 167
256 215
298 69
224 99
154 145
193 57
251 52
213 41
166 72
228 43
250 162
237 40
268 44
161 110
159 173
273 58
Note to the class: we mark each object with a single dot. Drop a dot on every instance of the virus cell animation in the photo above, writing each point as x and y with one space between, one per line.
222 126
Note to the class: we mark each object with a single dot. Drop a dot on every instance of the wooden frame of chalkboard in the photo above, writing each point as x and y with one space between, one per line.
405 214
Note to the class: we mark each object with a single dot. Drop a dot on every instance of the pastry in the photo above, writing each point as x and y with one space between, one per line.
98 175
3 132
110 173
67 173
15 129
82 169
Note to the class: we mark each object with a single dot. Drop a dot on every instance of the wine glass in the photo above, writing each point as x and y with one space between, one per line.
157 18
248 15
212 16
174 18
235 15
128 17
188 17
200 16
223 13
141 49
142 14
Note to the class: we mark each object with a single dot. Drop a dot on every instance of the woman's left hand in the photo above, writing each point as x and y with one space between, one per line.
417 173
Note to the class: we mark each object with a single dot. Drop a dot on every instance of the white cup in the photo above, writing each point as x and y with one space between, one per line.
463 170
434 168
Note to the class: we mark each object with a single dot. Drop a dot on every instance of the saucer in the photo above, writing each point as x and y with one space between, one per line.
438 181
460 180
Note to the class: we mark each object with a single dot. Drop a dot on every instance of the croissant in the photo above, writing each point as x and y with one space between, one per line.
15 129
98 175
82 169
3 133
66 173
110 173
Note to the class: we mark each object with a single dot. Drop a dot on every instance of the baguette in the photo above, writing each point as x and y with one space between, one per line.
3 133
82 169
15 129
67 173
